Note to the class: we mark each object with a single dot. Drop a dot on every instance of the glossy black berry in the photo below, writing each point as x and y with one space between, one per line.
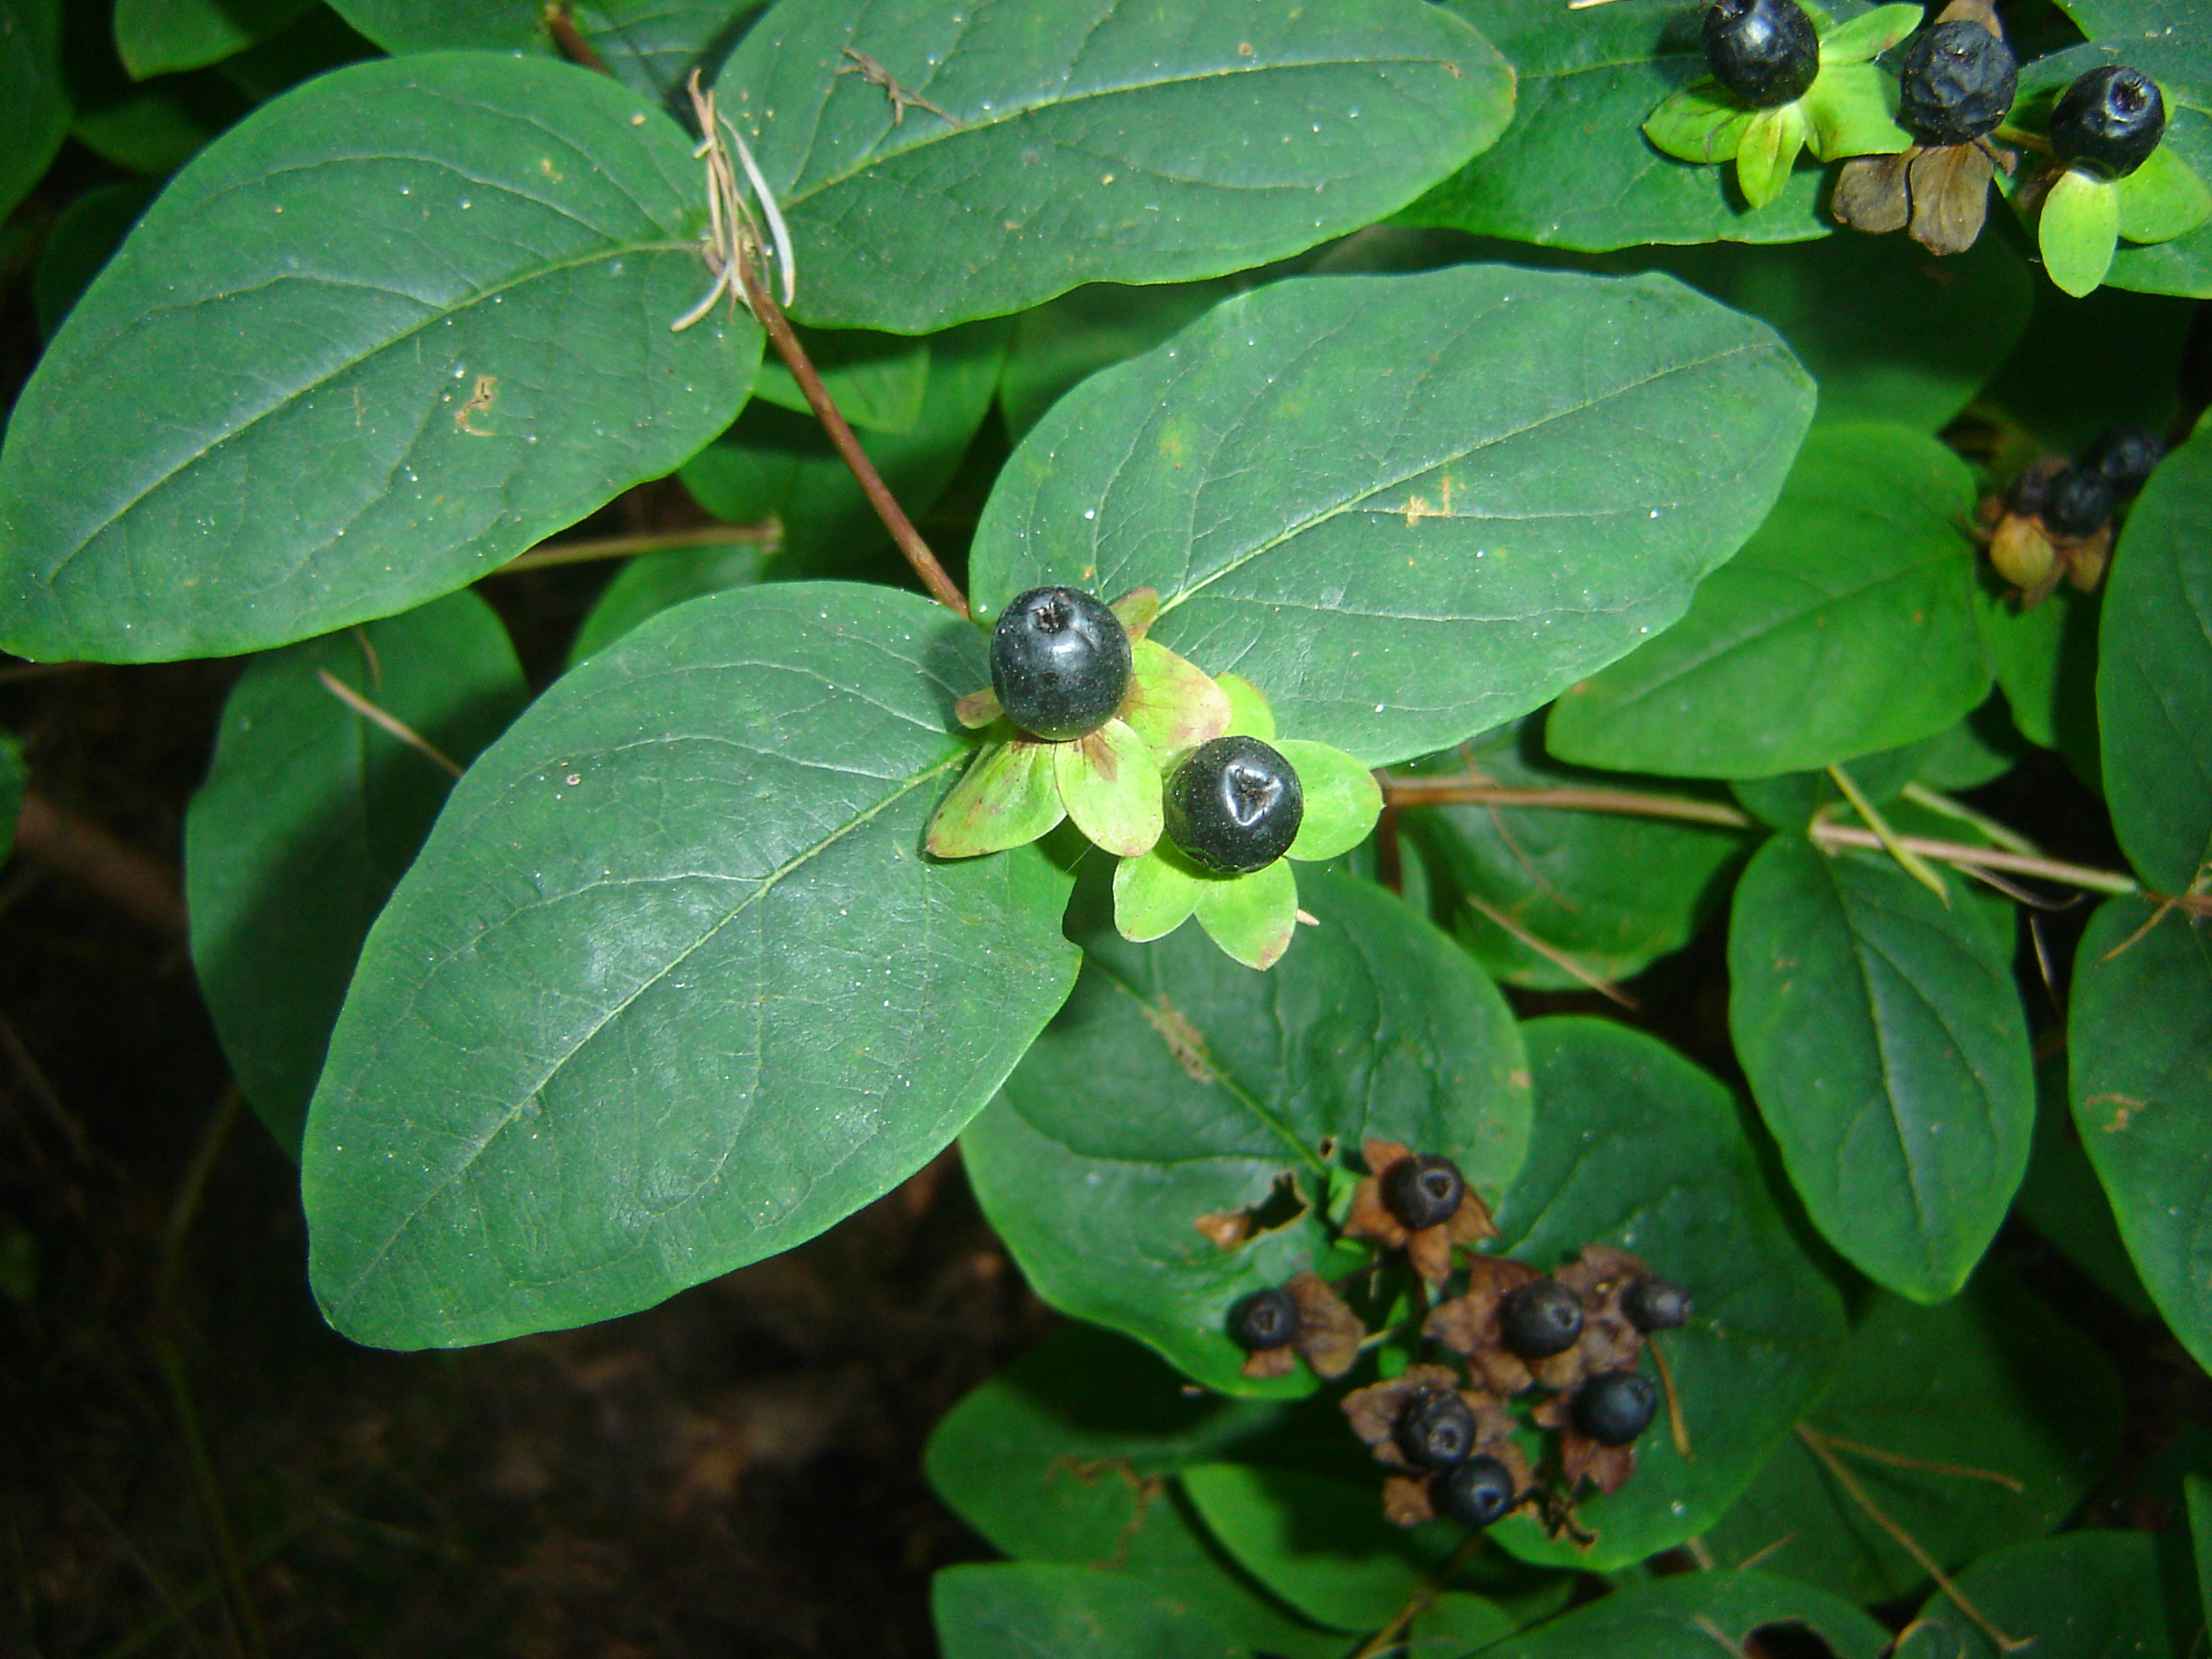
1264 1319
1615 1406
1540 1319
1474 1493
2079 503
2125 455
1655 1305
1234 805
1423 1191
2110 118
1436 1431
1060 663
1956 84
1763 50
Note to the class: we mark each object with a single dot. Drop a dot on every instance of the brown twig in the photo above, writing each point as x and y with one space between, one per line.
541 558
1898 1460
1420 1601
133 880
1677 1425
942 588
570 40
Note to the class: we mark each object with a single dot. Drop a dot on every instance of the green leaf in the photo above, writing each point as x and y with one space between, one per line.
2046 664
1155 895
650 584
1318 1542
1250 713
1612 892
2076 231
1064 1457
1789 800
1852 607
2062 1200
1019 1610
1851 110
1176 1085
650 45
671 987
2154 678
1060 343
2162 199
326 378
1008 797
311 813
1637 1147
2059 382
1342 799
1253 917
32 92
877 380
1771 141
1109 785
1884 1042
1980 1423
1869 34
163 36
2080 1596
1699 124
1172 705
2139 1031
10 791
1979 750
1383 501
1681 1618
81 242
2199 1491
1575 170
1456 1623
1064 144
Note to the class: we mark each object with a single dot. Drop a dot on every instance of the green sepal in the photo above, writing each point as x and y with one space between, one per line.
1249 715
2079 230
978 708
1699 123
2163 198
1136 611
1251 917
1172 704
1154 895
1869 34
1851 111
1342 799
1109 786
1005 799
1769 151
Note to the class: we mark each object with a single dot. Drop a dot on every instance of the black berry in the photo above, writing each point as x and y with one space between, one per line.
2125 455
1436 1431
1423 1191
1958 81
1234 805
1060 663
1615 1406
1763 50
1655 1305
2079 502
1541 1318
2110 118
1264 1319
1474 1493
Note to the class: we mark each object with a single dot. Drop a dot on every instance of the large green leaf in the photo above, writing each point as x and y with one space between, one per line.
1408 508
1065 1457
1574 168
670 987
1178 1085
2140 1038
1611 891
161 37
1025 1610
1635 1147
2064 1202
1058 344
1694 1616
80 241
311 813
2081 1596
1852 608
378 338
1991 1382
649 44
1066 141
31 90
2046 664
1883 1039
10 792
2154 677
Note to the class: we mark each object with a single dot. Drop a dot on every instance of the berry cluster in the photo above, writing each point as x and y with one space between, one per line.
2056 521
1451 1433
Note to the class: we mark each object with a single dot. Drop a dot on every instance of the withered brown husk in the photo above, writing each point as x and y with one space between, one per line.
1580 1457
1428 1248
1468 1325
1329 1334
1374 1411
1609 1340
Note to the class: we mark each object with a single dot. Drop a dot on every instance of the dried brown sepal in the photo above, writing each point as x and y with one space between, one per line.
1373 1412
1580 1457
1264 1365
1609 1341
1872 193
2086 558
1369 1217
1430 1248
1468 1325
1329 1332
1406 1501
1949 187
